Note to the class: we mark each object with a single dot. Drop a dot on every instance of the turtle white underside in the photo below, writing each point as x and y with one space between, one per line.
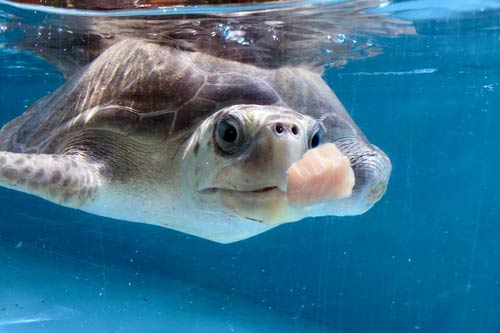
73 182
164 209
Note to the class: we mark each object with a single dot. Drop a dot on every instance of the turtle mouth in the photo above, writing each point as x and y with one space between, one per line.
263 190
266 204
258 191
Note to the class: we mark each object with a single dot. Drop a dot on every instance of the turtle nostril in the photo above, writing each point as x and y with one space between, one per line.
295 130
314 142
279 128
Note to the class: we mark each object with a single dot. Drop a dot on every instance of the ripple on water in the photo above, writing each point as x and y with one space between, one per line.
269 35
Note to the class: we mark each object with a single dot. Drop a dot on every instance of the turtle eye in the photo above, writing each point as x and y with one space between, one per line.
228 135
228 132
315 139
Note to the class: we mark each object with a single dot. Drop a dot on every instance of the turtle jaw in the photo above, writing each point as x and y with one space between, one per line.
267 205
322 178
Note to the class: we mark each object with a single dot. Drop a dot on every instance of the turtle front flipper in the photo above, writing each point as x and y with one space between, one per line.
68 180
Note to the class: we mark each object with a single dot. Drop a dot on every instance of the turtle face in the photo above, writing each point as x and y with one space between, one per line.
238 160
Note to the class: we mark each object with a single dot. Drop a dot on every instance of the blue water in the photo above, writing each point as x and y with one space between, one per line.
424 259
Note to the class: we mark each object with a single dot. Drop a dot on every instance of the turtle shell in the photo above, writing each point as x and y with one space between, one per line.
152 93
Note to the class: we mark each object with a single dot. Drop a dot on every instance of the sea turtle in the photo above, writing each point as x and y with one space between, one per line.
208 146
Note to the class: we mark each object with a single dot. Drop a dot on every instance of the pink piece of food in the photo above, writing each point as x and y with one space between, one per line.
322 174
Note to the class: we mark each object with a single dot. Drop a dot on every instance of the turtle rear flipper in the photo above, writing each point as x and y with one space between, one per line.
68 180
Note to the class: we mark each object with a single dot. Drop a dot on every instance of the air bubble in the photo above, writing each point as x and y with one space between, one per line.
340 39
235 35
383 3
489 87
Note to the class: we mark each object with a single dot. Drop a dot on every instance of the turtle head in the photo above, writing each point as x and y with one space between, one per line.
238 160
267 164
